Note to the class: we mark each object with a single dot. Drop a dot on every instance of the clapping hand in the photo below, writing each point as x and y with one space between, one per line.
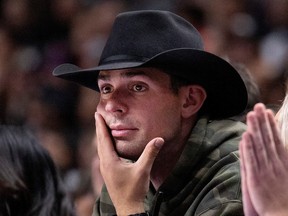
264 166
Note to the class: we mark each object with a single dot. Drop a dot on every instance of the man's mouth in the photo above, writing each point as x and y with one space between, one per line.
119 131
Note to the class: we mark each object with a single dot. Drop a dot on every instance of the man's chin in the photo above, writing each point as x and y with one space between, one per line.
128 150
127 154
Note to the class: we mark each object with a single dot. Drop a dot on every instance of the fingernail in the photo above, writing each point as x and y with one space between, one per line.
159 142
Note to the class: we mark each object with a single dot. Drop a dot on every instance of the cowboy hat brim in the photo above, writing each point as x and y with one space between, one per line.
226 91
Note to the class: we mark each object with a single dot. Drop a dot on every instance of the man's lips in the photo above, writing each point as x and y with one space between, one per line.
121 131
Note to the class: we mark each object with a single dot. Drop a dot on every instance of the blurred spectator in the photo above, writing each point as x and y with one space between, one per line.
57 145
89 31
52 108
87 184
90 182
29 181
27 20
263 165
276 13
6 54
282 118
220 12
254 95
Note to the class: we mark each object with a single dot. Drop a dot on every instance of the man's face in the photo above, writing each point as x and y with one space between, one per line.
138 105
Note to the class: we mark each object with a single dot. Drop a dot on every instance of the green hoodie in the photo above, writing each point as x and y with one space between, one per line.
204 182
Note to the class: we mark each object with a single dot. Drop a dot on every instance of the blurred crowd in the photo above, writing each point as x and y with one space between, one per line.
38 35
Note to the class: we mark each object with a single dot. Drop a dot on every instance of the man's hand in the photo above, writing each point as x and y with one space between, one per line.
264 165
127 183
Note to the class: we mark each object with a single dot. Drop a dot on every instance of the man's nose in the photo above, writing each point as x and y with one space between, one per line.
116 102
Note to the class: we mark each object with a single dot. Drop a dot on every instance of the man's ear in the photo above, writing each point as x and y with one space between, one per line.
193 99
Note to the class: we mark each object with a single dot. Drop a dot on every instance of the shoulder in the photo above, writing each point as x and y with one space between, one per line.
226 126
222 193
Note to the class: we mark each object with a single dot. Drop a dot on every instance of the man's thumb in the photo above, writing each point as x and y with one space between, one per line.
150 152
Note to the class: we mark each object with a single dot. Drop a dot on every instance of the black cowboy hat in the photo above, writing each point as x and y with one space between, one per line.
152 38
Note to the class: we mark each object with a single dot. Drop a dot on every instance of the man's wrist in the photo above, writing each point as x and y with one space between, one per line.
131 209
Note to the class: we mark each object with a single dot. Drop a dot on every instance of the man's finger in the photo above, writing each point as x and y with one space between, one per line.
105 145
256 136
266 131
150 152
252 164
279 146
247 204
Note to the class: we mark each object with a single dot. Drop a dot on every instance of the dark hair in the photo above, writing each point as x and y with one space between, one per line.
254 95
176 82
29 181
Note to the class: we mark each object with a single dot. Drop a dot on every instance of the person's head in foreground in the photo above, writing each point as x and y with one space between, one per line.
282 120
29 182
156 80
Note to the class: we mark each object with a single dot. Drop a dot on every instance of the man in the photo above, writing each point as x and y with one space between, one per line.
163 145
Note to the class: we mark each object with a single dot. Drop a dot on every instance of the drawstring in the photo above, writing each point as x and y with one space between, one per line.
156 206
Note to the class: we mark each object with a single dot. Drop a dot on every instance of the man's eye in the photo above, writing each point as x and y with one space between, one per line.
106 89
138 88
